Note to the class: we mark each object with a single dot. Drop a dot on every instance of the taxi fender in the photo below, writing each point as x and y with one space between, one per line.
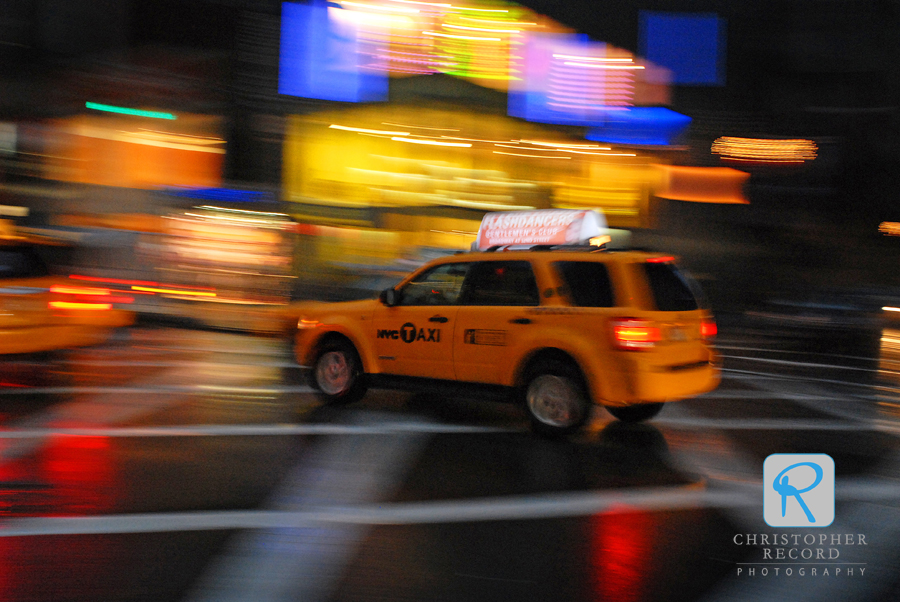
350 328
601 370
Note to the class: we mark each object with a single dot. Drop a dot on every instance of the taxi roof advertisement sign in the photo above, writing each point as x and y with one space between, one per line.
542 227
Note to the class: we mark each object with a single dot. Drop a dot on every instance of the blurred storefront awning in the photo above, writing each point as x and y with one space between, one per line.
703 184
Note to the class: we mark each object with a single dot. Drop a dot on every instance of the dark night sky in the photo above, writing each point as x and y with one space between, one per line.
843 51
205 23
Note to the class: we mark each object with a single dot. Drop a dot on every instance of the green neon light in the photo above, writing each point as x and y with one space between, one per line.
126 111
477 75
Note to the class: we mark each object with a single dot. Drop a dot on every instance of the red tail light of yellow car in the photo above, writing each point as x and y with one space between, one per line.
83 298
631 334
708 329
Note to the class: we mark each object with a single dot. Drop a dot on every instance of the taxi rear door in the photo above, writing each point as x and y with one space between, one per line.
493 318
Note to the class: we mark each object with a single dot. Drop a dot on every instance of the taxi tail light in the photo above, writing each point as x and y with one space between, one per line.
632 334
83 298
708 329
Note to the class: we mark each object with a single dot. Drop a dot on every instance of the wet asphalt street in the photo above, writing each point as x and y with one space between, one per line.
178 464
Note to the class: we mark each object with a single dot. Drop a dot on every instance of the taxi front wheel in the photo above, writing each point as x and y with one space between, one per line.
555 398
337 373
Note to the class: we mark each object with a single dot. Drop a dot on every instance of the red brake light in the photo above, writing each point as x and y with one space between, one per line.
664 259
83 298
634 334
708 329
78 290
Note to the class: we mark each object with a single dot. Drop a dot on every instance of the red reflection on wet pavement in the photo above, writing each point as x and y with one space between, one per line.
621 543
69 475
81 472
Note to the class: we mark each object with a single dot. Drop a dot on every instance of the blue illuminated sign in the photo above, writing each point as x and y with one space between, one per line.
651 126
229 195
320 57
691 45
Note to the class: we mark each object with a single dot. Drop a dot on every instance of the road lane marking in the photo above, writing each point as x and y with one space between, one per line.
767 360
740 374
716 456
304 560
525 507
152 389
177 364
770 395
819 399
770 424
103 406
788 351
220 430
393 428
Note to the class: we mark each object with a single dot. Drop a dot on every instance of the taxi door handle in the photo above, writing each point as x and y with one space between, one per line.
520 321
440 319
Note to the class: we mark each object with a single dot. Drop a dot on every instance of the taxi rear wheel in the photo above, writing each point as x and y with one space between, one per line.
337 373
637 413
556 399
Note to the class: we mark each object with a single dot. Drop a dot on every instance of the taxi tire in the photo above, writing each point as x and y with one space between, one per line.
635 413
549 379
337 374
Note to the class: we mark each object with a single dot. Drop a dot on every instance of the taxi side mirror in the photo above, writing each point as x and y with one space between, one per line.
389 297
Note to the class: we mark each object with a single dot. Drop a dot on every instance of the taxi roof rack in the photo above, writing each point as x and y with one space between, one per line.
583 246
572 247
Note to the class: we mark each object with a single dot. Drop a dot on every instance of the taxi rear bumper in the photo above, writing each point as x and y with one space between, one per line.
654 384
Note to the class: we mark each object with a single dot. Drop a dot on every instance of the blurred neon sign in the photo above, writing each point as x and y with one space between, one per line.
321 56
762 150
222 194
569 79
647 126
96 106
342 50
889 228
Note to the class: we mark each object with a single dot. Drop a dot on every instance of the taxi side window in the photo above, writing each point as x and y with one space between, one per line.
587 283
500 283
438 286
672 290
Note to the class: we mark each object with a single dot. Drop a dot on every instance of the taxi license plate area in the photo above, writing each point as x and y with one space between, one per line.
681 345
675 382
680 332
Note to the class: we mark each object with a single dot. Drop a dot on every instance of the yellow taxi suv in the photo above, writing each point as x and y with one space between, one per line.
41 312
536 313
